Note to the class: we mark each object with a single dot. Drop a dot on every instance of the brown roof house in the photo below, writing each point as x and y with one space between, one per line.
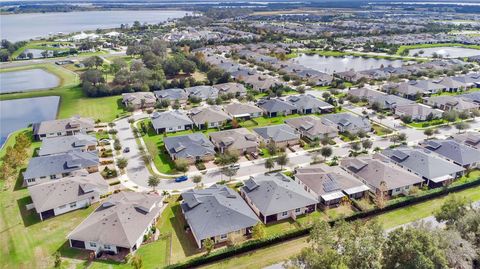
282 135
330 184
62 127
243 111
240 140
213 116
119 224
57 197
312 127
139 100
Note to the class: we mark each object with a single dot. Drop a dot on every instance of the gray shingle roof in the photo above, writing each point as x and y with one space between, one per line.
167 119
312 126
67 190
171 94
273 194
60 163
307 101
215 211
278 133
187 146
62 144
62 125
231 87
201 115
469 138
203 92
459 153
238 109
345 119
119 221
240 138
275 105
422 162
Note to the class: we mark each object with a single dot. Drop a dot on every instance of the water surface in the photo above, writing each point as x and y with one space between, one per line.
18 27
19 113
27 80
446 52
330 65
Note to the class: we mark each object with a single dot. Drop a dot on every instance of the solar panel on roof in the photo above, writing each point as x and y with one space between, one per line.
400 155
330 186
433 145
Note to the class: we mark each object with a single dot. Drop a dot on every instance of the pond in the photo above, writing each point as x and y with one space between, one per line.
26 26
32 110
445 52
27 80
330 65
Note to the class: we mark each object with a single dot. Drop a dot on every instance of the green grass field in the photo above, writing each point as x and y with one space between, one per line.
72 99
401 49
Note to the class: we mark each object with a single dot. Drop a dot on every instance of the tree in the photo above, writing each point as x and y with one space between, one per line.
197 179
452 209
208 244
94 61
58 260
229 171
367 144
171 67
122 163
188 66
136 262
460 253
272 148
153 181
380 196
282 160
413 248
214 75
258 231
181 165
429 132
450 116
355 146
228 157
462 126
326 152
269 164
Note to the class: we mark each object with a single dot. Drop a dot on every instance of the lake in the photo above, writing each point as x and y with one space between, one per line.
330 65
18 27
32 110
446 52
27 80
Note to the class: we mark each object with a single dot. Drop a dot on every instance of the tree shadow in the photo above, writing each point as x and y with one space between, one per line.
186 239
19 180
29 217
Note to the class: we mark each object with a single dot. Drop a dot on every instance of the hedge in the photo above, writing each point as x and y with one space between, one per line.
256 244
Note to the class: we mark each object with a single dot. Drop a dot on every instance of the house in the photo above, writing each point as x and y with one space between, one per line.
281 135
276 107
460 154
312 127
217 212
434 170
449 103
330 184
202 92
171 121
417 112
379 174
213 116
56 197
260 82
234 88
171 95
364 93
240 140
388 101
308 104
139 100
56 166
347 122
452 84
63 127
471 139
63 144
119 224
242 111
474 96
414 88
276 197
192 147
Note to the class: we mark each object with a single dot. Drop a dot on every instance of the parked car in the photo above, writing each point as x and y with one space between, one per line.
181 179
104 141
235 166
126 150
254 155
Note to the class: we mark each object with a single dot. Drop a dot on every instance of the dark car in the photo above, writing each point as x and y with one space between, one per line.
181 179
126 150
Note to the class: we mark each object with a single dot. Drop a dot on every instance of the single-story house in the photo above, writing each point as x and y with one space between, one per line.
471 139
434 170
308 104
57 197
417 112
282 135
312 127
191 147
171 95
364 93
389 101
218 213
242 111
449 103
56 166
274 107
63 127
375 172
202 92
460 154
139 100
62 144
237 89
330 184
213 116
275 197
119 224
171 121
348 122
240 140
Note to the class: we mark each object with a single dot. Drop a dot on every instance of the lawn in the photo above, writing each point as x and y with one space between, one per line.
424 124
401 49
380 131
72 99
